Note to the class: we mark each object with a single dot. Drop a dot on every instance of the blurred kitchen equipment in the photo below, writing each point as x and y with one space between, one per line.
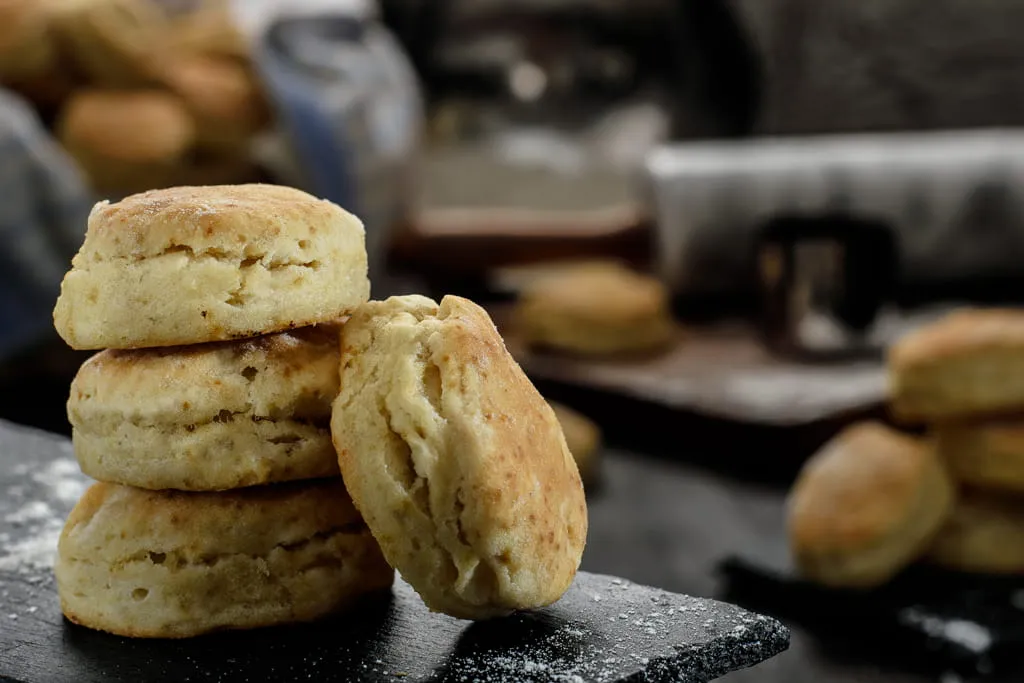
348 106
823 283
954 202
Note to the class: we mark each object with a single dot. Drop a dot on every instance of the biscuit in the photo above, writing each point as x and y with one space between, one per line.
454 459
598 308
210 416
984 534
167 564
223 98
189 265
582 436
969 363
987 454
27 50
865 506
113 43
126 141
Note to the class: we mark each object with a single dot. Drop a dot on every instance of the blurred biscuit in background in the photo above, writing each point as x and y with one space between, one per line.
595 309
583 437
866 505
126 141
27 48
113 43
984 534
209 30
969 363
223 97
985 454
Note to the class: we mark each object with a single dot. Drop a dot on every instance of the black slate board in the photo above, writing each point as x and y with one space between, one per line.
603 630
932 619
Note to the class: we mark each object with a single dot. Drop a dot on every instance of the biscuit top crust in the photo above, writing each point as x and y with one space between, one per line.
113 522
859 487
967 331
219 221
600 291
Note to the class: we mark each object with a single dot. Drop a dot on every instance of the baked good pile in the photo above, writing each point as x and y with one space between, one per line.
875 500
270 445
141 96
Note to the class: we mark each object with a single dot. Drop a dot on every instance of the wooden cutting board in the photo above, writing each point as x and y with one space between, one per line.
603 630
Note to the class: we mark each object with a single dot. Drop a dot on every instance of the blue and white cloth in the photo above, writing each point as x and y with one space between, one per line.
44 204
348 104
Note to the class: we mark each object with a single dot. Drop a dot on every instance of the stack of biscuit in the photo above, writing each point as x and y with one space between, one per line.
874 500
243 370
206 416
963 376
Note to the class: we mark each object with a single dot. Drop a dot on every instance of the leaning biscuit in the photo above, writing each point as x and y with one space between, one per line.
210 416
598 308
455 461
189 265
166 564
865 506
984 534
969 363
987 454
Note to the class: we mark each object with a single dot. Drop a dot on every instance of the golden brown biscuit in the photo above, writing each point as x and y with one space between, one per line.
27 48
986 454
455 461
865 506
126 141
167 564
189 265
208 30
582 436
210 416
223 97
113 43
599 308
969 363
984 534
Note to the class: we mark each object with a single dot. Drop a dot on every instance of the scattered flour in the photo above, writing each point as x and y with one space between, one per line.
39 522
968 634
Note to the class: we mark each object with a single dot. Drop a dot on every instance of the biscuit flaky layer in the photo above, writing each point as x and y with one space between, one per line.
166 564
970 363
189 265
866 505
209 416
454 459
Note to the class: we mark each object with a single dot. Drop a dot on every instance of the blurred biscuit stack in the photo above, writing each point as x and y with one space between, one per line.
874 500
964 377
140 98
207 416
